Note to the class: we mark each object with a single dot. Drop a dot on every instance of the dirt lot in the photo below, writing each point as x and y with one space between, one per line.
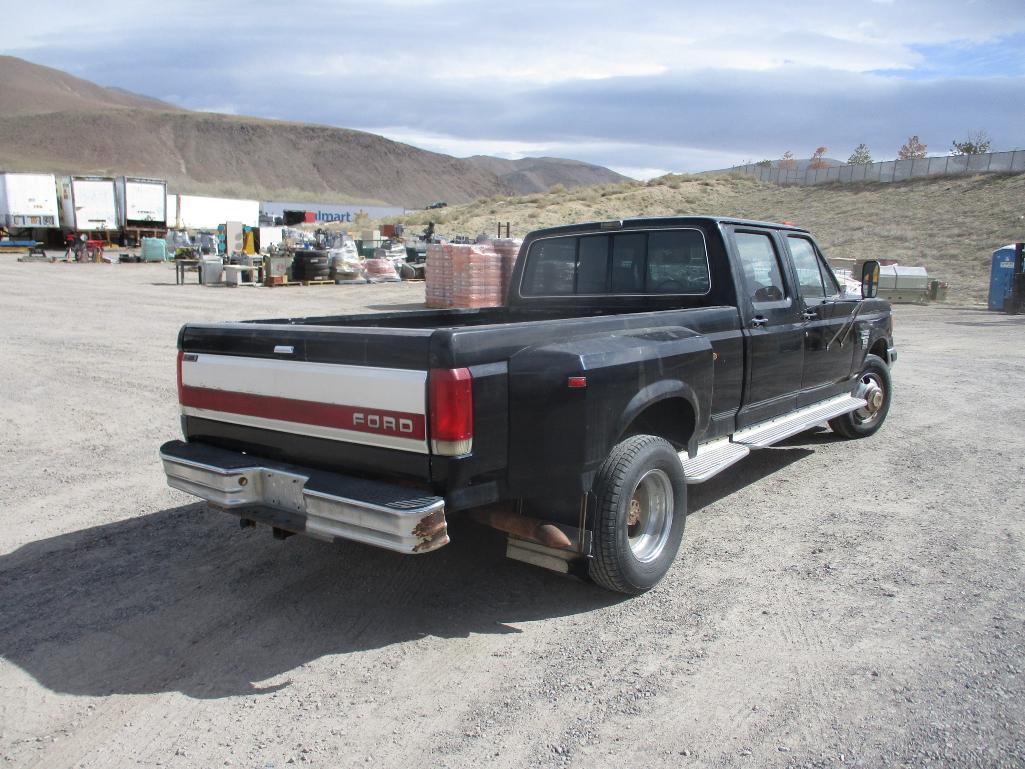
834 604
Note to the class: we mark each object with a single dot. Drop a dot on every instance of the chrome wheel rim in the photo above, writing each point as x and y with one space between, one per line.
650 515
872 391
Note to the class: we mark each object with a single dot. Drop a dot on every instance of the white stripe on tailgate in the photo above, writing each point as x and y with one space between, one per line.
314 431
387 389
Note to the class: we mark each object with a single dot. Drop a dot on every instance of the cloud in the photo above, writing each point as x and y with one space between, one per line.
668 85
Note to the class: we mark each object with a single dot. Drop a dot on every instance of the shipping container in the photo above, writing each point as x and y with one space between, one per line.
89 204
28 201
195 212
142 202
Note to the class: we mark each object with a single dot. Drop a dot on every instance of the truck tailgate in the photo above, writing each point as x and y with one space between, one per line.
351 398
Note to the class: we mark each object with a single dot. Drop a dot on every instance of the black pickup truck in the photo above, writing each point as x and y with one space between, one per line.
632 358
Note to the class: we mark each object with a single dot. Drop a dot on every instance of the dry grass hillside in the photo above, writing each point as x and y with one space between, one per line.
949 225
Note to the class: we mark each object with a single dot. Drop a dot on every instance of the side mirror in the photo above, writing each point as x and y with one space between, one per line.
869 279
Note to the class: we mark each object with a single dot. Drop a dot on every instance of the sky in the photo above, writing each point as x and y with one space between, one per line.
642 87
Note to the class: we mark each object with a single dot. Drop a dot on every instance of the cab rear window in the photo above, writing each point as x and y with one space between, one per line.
623 263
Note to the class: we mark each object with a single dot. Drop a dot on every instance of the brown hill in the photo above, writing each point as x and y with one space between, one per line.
31 89
245 157
527 175
52 121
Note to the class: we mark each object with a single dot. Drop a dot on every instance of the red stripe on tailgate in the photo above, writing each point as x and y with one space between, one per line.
397 423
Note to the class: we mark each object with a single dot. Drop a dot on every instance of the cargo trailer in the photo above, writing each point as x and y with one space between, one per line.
28 201
89 204
142 204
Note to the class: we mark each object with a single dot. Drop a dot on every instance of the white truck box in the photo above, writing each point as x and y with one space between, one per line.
143 202
28 200
89 203
196 212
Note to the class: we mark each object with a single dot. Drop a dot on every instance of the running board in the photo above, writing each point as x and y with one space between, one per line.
773 431
712 458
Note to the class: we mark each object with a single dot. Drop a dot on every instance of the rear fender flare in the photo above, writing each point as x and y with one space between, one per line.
655 393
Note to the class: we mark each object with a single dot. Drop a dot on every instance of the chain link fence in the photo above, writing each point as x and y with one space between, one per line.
890 170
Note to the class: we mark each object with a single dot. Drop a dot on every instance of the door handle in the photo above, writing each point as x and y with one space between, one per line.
759 321
810 314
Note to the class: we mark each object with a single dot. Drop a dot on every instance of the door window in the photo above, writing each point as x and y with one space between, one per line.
809 270
808 253
762 272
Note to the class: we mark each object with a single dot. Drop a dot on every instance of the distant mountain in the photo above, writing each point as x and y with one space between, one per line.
53 121
528 175
31 89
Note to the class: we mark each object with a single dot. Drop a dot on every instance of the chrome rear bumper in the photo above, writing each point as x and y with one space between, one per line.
320 504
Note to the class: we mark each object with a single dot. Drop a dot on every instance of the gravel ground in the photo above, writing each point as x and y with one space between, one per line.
834 603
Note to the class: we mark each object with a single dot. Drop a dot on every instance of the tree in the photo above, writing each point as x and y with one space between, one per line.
860 157
912 149
817 160
787 162
977 143
764 164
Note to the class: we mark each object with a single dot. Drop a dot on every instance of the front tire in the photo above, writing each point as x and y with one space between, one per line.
875 386
640 509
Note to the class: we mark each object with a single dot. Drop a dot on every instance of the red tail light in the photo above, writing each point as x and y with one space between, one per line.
450 397
180 354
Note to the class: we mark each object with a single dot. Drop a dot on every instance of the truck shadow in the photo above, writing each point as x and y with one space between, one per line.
753 468
182 600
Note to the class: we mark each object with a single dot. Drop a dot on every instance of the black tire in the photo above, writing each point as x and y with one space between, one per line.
633 557
314 265
866 421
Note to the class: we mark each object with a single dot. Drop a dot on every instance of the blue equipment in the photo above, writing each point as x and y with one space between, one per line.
1006 279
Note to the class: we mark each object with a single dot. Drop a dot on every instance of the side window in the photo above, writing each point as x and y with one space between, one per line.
593 264
829 280
762 272
628 256
826 274
551 268
806 263
677 263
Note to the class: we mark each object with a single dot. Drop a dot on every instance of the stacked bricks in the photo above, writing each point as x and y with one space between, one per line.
476 276
439 276
507 249
470 275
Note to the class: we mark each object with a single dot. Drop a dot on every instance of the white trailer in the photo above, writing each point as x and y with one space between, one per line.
195 212
142 203
89 204
28 201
